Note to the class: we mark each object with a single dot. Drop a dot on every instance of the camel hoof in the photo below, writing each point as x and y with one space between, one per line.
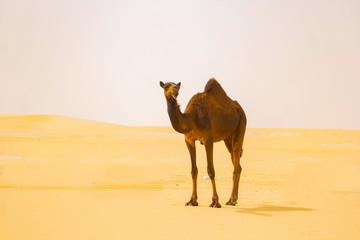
215 205
192 203
231 203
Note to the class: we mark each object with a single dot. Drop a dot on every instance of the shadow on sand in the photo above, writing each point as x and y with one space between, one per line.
269 210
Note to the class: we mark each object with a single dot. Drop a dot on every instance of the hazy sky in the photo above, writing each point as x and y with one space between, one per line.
293 64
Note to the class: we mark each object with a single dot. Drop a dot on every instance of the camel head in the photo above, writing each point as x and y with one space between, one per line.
171 89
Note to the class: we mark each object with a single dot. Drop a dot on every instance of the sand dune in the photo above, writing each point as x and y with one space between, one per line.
65 178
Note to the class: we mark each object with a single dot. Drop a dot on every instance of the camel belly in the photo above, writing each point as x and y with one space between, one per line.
222 134
217 132
203 136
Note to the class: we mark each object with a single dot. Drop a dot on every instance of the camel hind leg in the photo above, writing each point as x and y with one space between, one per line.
236 153
228 144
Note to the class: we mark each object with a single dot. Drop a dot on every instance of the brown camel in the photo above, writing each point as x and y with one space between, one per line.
210 116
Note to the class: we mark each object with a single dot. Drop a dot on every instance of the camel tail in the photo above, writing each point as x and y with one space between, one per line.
242 124
214 86
240 110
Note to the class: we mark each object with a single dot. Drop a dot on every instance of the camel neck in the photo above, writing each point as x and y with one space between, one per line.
179 121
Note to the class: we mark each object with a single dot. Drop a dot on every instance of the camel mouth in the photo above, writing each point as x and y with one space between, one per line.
174 95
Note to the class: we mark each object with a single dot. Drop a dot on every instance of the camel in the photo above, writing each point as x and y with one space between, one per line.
210 116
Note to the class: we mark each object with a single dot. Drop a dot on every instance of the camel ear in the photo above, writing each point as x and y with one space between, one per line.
179 84
162 84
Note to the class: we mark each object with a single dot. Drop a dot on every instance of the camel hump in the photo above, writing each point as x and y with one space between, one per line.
214 86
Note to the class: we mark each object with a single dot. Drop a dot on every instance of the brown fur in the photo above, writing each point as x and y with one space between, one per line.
209 117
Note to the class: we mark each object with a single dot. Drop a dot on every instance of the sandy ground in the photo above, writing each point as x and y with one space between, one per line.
64 178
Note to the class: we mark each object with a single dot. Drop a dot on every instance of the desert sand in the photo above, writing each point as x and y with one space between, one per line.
66 178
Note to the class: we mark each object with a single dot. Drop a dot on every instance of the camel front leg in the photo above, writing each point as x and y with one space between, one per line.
194 172
211 171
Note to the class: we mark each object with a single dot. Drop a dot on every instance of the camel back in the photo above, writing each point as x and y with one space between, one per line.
214 87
